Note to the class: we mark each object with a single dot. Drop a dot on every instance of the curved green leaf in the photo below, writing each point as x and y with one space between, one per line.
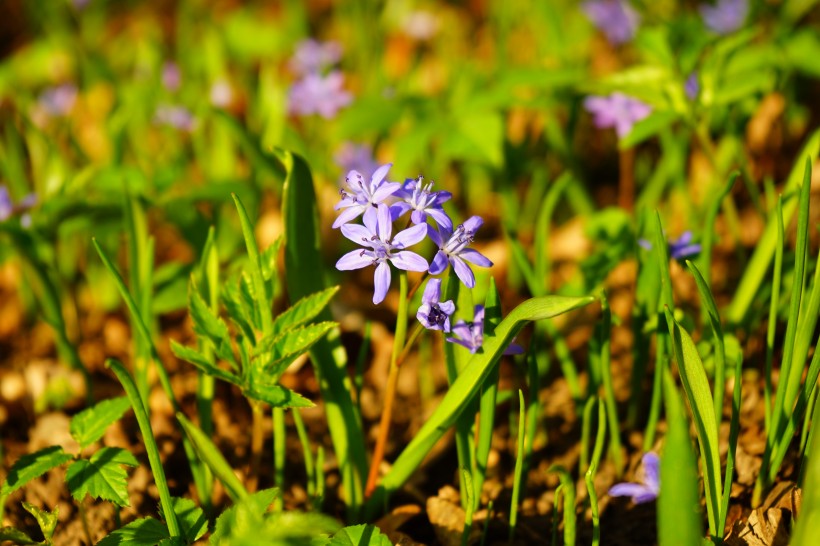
140 532
31 466
102 476
89 425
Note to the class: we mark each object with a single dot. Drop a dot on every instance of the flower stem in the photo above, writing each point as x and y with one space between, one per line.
416 286
392 381
418 329
257 439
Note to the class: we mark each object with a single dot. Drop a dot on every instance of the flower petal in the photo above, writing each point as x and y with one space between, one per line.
348 214
447 307
418 217
355 259
409 261
463 271
397 210
381 282
652 470
384 191
435 236
379 175
439 263
628 490
358 234
475 257
422 314
473 223
371 219
410 236
432 292
461 342
440 217
385 223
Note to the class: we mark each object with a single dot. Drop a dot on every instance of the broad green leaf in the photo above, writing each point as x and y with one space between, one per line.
360 535
140 532
208 325
102 476
304 273
304 310
277 396
679 519
293 342
89 425
699 395
45 519
212 457
462 392
31 466
16 536
246 513
191 518
196 358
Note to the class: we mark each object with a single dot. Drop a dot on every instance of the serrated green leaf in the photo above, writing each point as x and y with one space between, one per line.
267 259
16 536
102 476
239 315
304 310
244 514
45 519
277 396
212 457
191 519
89 425
140 532
33 465
465 388
210 326
196 358
292 342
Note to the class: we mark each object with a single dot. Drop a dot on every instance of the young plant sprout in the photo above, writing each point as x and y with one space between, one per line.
453 250
651 486
381 248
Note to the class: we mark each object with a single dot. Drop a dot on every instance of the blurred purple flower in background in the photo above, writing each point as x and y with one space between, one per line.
617 110
177 117
381 248
471 334
433 313
615 18
422 200
692 86
453 250
679 248
364 197
313 56
80 4
725 16
651 486
317 94
59 100
8 208
355 157
171 76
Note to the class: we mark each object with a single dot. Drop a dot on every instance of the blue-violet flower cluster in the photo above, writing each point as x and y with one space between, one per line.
317 92
615 18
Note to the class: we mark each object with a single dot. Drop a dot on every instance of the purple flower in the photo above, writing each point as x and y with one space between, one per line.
646 491
178 117
453 249
313 56
433 313
376 236
615 18
725 16
59 100
355 157
679 248
471 334
171 76
617 110
8 208
364 197
692 86
422 200
317 94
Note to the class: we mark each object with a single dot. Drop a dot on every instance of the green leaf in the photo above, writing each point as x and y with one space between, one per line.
246 513
292 342
699 395
89 425
45 519
196 358
360 535
31 466
462 392
210 326
277 396
263 297
647 128
267 259
304 310
16 536
191 518
679 518
140 532
102 476
212 457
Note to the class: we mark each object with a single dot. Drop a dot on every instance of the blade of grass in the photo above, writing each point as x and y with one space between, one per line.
609 389
519 466
773 306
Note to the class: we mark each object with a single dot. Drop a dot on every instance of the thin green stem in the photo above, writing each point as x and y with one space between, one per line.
150 444
257 441
773 305
279 455
519 465
307 453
